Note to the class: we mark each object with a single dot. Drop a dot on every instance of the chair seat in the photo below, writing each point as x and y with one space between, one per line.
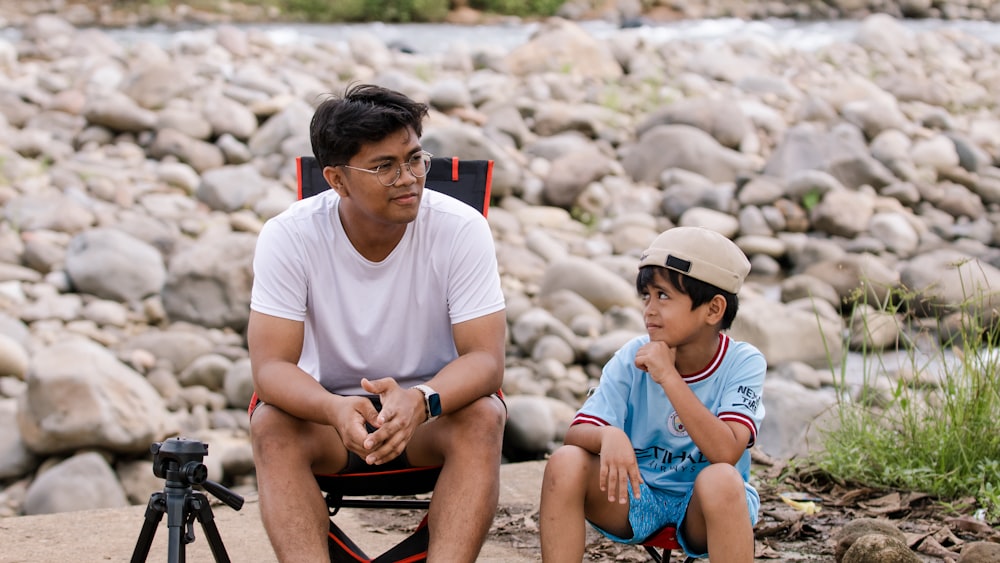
354 490
666 541
395 482
666 538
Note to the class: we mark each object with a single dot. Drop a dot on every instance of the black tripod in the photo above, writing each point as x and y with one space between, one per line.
178 460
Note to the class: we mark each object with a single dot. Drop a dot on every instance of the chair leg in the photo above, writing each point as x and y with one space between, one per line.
664 557
342 548
413 549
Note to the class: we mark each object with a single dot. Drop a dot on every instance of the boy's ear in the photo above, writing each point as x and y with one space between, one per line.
716 309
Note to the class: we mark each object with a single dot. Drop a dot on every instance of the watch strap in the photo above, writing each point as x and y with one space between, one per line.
432 402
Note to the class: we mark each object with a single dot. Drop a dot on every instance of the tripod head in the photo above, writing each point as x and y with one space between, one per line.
179 461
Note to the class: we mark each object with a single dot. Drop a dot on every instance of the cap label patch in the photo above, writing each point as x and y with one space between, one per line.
678 264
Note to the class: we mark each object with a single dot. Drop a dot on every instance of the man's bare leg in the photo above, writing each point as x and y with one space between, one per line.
465 498
291 503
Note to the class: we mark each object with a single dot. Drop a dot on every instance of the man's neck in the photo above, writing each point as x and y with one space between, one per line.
373 241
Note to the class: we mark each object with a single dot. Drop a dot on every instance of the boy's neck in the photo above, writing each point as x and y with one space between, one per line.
695 357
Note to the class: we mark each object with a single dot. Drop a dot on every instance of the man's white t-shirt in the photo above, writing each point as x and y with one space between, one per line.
376 319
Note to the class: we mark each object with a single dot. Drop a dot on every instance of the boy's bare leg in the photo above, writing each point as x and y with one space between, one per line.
717 516
561 515
571 495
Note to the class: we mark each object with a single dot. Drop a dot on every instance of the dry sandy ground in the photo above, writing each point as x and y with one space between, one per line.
784 533
111 534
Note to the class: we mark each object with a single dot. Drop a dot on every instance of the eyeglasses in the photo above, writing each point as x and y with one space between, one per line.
387 174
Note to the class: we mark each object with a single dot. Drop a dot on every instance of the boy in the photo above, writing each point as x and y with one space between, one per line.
664 437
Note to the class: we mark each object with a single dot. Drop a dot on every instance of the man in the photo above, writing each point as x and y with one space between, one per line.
376 334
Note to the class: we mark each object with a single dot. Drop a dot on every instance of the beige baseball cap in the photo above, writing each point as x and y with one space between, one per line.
700 253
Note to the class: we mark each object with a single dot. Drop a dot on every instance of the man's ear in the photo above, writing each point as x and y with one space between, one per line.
334 176
716 309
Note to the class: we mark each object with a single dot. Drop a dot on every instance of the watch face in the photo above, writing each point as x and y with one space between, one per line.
434 404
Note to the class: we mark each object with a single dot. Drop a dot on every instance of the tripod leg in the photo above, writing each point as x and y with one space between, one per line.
154 513
176 517
203 511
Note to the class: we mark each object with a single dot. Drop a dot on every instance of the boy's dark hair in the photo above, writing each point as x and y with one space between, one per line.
699 291
364 114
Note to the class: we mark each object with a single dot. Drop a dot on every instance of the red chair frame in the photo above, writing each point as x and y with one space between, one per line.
666 541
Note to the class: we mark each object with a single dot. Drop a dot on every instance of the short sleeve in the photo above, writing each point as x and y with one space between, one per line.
474 289
608 403
742 399
279 285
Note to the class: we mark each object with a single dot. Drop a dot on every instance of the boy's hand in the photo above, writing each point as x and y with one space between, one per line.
657 359
619 469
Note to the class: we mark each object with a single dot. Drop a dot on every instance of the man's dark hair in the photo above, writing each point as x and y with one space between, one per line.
364 114
699 291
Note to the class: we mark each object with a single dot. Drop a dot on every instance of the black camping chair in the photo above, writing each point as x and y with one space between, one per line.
468 181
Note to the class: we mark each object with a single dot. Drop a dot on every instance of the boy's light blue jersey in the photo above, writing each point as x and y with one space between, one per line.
628 398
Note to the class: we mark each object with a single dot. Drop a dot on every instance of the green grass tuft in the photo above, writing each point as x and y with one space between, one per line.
904 433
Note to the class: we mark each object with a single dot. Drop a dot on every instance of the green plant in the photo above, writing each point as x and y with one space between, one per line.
811 199
611 98
581 215
424 72
518 7
402 11
939 439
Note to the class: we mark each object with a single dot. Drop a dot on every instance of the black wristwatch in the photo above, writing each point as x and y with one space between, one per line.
432 402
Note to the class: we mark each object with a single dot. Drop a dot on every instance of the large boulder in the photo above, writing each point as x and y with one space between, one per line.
947 281
806 331
208 283
561 46
112 264
841 152
82 482
81 396
686 147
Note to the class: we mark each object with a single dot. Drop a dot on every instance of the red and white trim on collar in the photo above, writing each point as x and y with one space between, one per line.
713 364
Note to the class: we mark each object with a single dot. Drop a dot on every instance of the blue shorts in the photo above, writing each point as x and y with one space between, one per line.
656 508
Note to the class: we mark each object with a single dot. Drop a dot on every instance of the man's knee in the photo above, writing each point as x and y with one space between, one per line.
486 416
271 427
473 432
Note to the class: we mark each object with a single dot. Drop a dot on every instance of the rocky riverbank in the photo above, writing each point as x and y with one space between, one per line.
174 13
135 176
